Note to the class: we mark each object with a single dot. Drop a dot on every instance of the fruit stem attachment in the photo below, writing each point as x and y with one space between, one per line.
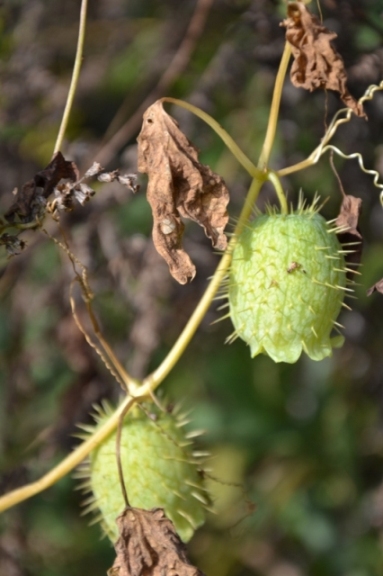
118 457
273 178
274 111
75 76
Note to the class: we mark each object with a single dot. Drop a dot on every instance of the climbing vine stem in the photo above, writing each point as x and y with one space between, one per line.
66 465
75 77
154 379
145 389
274 110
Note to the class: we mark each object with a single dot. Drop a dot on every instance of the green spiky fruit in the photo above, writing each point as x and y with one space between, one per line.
287 284
159 468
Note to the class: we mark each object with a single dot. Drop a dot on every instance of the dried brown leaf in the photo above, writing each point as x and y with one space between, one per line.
13 245
179 186
349 215
30 201
148 545
128 180
378 287
316 62
349 232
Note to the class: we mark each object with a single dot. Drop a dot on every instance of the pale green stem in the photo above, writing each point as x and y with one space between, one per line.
319 150
297 167
225 137
273 178
259 174
274 111
75 76
151 382
66 465
337 121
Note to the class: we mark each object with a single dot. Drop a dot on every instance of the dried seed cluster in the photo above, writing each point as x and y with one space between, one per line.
160 471
287 284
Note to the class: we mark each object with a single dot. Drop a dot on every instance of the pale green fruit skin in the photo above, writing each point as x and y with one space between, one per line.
157 471
286 285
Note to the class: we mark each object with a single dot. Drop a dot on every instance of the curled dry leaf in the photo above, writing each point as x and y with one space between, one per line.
61 177
68 190
316 62
148 544
378 287
349 233
95 169
13 245
349 215
30 202
179 186
128 180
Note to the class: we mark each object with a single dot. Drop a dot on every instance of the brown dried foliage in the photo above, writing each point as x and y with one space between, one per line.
62 179
316 62
13 245
30 202
347 220
377 287
349 215
148 545
179 187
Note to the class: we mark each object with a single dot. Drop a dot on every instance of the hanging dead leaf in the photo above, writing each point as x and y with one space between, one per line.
350 235
148 544
316 62
378 287
349 215
179 186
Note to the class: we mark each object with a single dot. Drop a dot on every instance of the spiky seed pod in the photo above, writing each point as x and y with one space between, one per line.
286 286
160 470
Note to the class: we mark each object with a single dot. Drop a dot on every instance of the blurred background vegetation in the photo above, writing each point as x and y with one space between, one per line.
304 442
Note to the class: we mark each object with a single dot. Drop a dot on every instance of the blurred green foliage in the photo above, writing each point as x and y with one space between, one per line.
297 451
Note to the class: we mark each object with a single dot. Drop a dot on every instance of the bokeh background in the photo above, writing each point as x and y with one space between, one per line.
297 450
